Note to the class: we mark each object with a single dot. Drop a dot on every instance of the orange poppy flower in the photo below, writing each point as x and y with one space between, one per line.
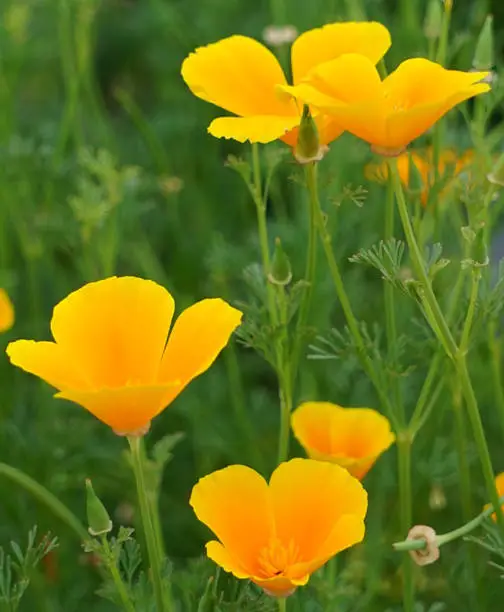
277 535
499 485
110 352
388 114
351 437
450 165
243 77
6 311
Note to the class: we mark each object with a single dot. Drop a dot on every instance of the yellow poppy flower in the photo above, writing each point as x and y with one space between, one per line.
111 355
243 77
6 311
499 485
351 437
388 114
277 535
450 165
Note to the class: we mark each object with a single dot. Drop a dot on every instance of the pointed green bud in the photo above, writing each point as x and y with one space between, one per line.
496 177
484 54
281 272
308 148
98 518
416 183
433 20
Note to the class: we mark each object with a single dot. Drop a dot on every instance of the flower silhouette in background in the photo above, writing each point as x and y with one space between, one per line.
6 311
353 438
450 166
277 535
243 77
110 352
387 114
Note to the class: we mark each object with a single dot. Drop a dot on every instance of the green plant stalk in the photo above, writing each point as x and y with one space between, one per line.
405 497
355 10
282 604
461 444
116 577
45 497
495 349
450 536
440 328
283 373
149 532
466 331
311 264
352 323
409 15
445 33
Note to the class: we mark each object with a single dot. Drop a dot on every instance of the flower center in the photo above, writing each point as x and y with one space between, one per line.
275 558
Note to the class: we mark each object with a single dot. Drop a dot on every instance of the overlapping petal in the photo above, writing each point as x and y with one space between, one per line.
6 311
317 46
115 330
261 128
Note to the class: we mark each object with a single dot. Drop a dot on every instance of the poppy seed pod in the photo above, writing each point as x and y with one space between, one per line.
99 522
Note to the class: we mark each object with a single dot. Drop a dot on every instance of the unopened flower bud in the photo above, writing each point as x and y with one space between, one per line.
308 148
98 518
430 553
281 272
484 54
433 20
437 497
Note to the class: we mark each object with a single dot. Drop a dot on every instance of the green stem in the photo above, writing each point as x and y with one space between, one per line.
352 323
116 577
284 375
461 443
450 536
282 604
466 332
311 263
390 313
145 514
46 497
445 32
440 328
405 494
495 350
355 10
409 16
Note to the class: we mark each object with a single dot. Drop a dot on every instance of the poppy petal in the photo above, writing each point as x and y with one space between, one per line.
126 410
234 503
322 493
260 128
115 330
320 45
220 555
47 361
237 74
6 311
198 336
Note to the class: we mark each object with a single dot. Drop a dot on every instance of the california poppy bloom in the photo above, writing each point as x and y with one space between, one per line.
351 437
499 485
111 355
6 311
277 535
450 165
388 114
243 77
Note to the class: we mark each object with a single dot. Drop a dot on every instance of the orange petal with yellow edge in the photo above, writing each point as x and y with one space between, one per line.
115 330
321 493
260 128
47 361
237 74
198 336
6 311
127 410
234 503
320 45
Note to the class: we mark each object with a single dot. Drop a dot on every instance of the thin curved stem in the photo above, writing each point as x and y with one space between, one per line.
116 577
149 532
46 497
405 494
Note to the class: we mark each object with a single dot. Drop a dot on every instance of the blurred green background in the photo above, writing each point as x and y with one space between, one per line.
106 168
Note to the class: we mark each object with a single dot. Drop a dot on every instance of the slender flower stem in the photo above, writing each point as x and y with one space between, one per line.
355 10
461 443
145 513
111 563
405 494
494 345
282 604
450 536
284 376
311 263
352 323
466 332
440 328
45 497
